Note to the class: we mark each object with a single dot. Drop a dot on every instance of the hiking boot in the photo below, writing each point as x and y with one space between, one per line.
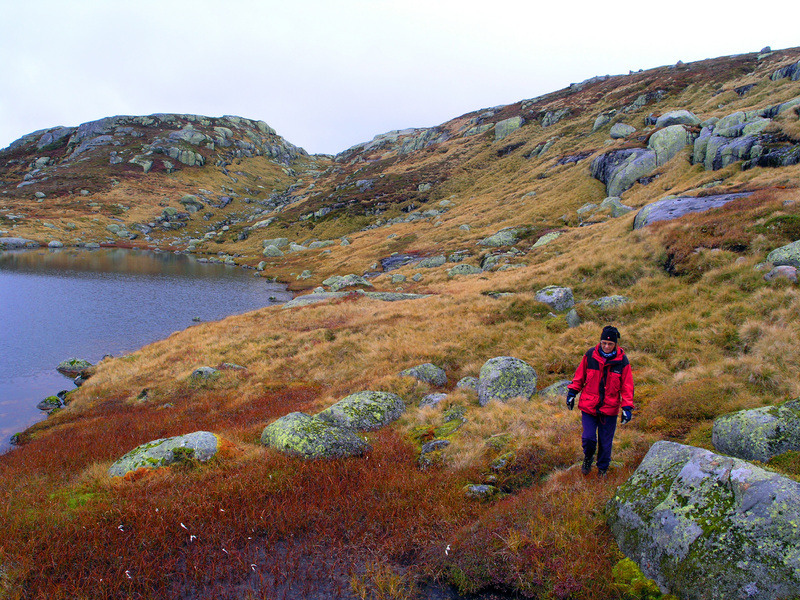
602 473
586 467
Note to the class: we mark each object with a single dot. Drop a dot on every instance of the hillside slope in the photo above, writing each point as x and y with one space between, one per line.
518 197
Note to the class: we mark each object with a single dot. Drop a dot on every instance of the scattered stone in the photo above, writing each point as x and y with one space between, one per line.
481 491
205 373
468 383
312 437
432 400
55 244
505 377
573 319
610 301
556 297
782 272
432 262
463 269
704 525
555 393
365 411
199 446
505 237
621 130
427 373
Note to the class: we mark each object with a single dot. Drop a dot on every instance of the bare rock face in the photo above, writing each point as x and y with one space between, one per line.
710 527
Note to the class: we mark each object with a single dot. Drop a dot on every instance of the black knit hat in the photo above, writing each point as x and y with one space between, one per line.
610 333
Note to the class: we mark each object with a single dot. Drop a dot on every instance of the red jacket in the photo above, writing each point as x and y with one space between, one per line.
604 386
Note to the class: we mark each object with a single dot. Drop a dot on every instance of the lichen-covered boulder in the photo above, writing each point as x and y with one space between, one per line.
50 404
272 251
621 130
556 297
365 411
339 282
72 367
505 237
311 437
432 262
205 373
788 255
709 527
506 127
432 400
668 142
546 239
620 169
759 434
677 117
427 373
467 383
463 269
200 446
505 377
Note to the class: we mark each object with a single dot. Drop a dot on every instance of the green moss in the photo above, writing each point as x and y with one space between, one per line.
632 583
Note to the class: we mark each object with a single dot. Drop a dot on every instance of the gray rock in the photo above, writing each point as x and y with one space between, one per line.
668 142
10 243
192 203
709 527
50 404
365 411
200 446
311 437
782 272
556 297
546 239
55 244
621 130
432 400
677 117
205 373
394 296
398 278
674 208
463 269
315 298
788 255
427 373
505 237
556 392
573 319
759 434
610 301
506 127
272 252
72 367
620 169
481 491
505 377
468 383
338 282
432 262
601 121
277 242
552 117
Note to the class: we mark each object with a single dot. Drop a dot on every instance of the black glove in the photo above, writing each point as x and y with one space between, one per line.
626 414
571 399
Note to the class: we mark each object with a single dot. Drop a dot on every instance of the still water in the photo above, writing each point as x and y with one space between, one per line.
60 304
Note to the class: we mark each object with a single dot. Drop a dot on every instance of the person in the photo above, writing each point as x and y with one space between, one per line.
605 383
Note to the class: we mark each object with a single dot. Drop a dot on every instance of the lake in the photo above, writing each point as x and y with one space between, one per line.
66 303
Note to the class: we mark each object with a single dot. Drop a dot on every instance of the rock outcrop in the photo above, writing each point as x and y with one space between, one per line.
759 434
710 527
674 208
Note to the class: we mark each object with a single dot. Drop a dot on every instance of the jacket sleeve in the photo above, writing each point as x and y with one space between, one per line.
579 379
626 391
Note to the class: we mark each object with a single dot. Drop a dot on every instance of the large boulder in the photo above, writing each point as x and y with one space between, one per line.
620 169
709 527
365 411
668 142
505 377
788 255
673 208
621 130
199 446
506 127
759 434
677 117
505 237
312 437
339 282
427 373
556 297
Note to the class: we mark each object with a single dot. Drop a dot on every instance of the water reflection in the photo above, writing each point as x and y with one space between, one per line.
58 304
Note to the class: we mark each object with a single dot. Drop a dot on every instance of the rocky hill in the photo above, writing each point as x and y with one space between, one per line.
444 262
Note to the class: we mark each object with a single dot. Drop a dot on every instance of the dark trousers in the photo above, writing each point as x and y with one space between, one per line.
598 431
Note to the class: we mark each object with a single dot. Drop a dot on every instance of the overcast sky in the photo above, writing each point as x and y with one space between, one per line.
328 74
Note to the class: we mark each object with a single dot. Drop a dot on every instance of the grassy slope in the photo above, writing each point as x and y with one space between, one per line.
707 338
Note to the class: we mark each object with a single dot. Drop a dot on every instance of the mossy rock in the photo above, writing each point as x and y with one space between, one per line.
365 411
759 434
505 377
312 437
707 526
556 297
199 446
481 492
427 373
50 403
72 367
